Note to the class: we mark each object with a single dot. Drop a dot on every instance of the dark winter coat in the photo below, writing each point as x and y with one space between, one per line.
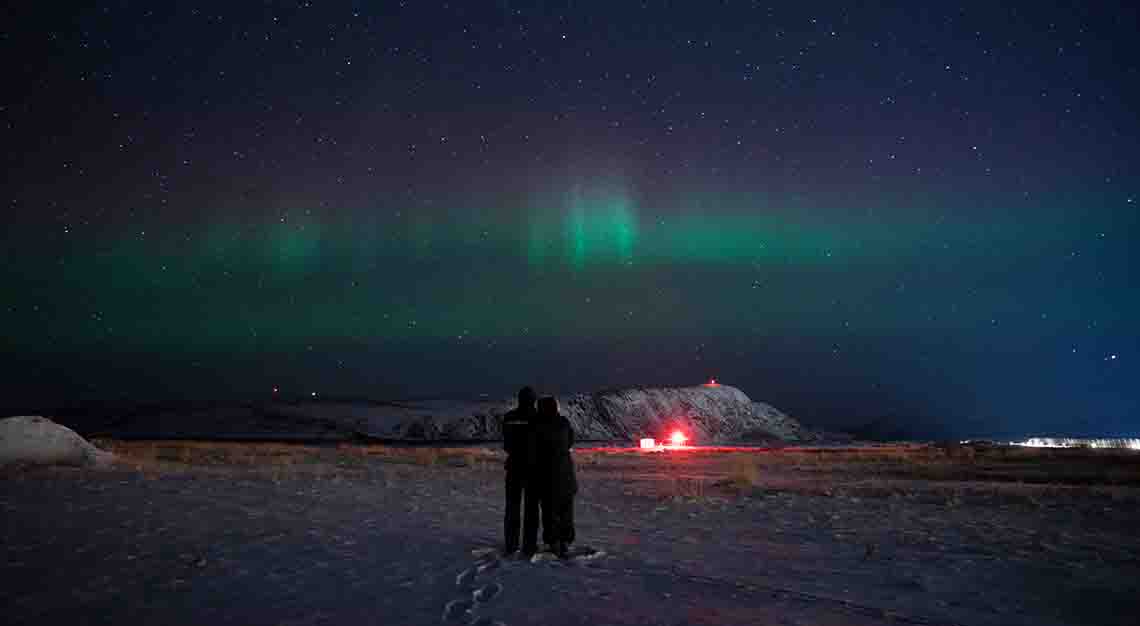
554 470
519 439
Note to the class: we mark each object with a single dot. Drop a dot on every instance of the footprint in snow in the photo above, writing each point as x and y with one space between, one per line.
464 579
489 565
463 610
457 610
489 559
486 593
586 553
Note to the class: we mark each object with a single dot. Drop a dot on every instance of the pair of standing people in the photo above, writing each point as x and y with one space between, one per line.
540 475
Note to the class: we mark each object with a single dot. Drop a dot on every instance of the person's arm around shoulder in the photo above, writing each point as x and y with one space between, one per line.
569 432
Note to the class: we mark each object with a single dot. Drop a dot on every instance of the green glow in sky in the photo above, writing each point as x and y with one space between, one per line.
584 264
592 229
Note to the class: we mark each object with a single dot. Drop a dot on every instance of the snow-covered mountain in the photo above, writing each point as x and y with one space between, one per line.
705 413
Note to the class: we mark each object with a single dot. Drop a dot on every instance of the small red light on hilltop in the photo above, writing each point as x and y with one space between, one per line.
712 383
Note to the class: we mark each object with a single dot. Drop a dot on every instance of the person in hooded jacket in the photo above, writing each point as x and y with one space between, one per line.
519 442
555 476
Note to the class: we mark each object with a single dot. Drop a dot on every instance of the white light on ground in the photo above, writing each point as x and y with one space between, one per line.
648 443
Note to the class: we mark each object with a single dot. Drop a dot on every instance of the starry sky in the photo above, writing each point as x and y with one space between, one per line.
905 220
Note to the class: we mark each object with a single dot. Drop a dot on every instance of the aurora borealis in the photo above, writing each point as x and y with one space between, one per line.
912 221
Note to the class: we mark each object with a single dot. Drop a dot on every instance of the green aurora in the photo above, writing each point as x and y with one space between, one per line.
368 278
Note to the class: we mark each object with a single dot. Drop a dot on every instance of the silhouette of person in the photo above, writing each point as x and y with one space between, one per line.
519 442
555 476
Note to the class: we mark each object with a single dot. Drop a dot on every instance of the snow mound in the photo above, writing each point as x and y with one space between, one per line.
38 440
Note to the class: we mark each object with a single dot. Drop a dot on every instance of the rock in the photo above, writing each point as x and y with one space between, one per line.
705 413
38 440
423 428
477 425
768 422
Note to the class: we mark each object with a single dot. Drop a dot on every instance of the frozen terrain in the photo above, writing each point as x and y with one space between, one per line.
243 534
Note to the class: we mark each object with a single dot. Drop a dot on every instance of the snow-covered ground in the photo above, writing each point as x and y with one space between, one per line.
379 540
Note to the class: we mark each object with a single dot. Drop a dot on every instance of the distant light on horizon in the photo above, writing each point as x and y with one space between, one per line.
1062 442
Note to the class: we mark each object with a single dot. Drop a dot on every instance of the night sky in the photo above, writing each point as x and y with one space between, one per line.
913 221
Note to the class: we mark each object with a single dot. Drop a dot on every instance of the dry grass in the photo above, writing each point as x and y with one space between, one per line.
684 487
952 463
280 460
950 475
743 471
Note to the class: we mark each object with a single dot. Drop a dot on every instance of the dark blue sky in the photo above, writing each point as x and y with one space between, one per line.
919 218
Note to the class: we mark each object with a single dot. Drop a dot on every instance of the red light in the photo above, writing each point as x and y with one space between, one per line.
678 438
